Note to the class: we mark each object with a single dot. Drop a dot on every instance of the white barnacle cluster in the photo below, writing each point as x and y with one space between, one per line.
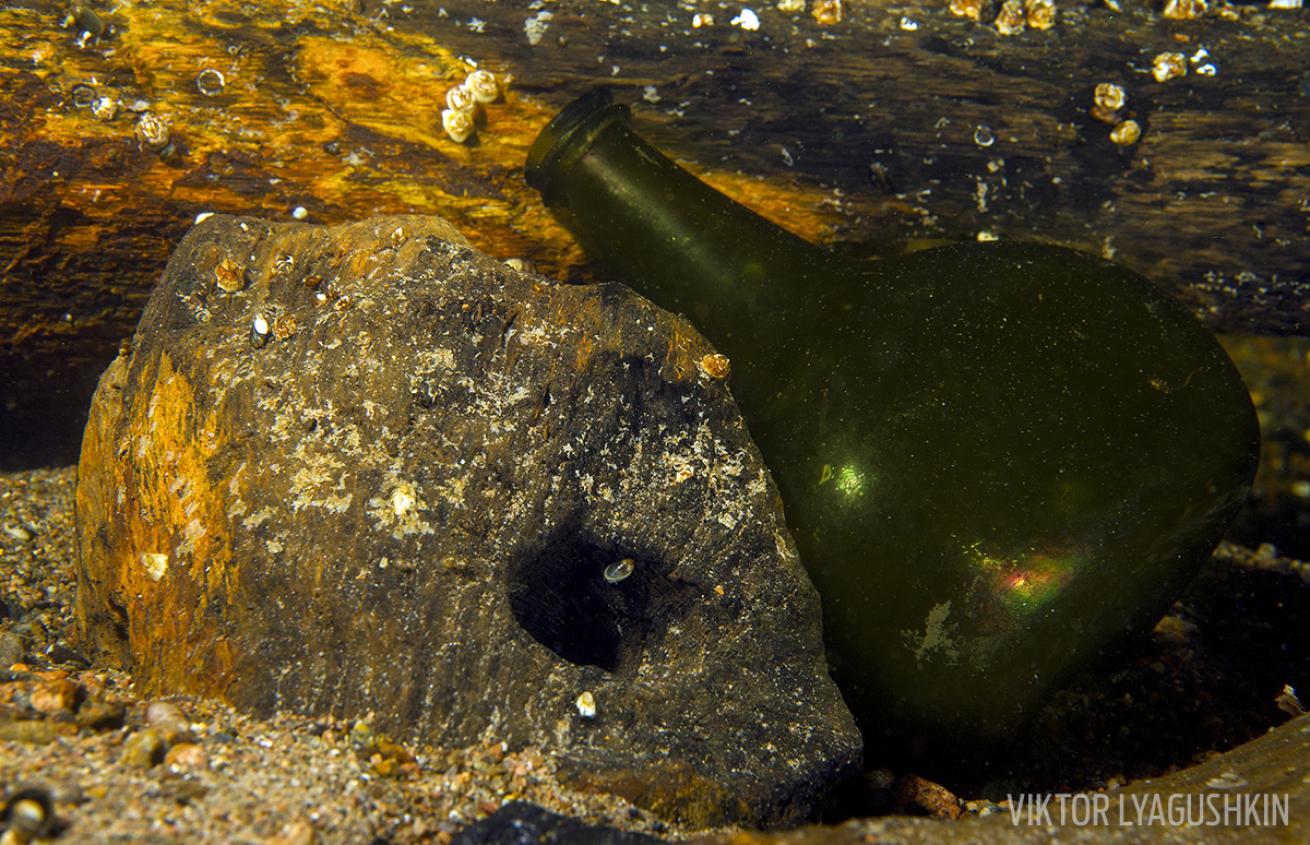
460 116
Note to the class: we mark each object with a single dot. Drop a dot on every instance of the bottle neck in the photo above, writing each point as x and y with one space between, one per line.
672 237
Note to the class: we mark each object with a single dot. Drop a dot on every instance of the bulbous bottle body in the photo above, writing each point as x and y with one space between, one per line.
996 459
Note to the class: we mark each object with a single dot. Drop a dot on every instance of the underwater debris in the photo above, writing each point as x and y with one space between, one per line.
612 216
535 27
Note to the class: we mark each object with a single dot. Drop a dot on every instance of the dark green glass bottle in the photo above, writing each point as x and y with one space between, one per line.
997 459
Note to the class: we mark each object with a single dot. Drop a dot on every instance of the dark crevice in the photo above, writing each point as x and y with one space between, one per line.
560 595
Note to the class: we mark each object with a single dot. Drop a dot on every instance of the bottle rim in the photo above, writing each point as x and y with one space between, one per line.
569 134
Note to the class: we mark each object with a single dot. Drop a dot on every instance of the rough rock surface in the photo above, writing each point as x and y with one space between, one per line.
403 498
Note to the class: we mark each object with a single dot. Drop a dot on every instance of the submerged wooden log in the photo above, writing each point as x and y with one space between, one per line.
897 123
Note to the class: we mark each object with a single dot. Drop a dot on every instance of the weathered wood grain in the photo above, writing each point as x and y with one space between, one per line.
864 134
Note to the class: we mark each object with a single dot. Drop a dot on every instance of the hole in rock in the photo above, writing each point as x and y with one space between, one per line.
595 603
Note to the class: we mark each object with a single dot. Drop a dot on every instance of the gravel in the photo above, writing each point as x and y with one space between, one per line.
126 769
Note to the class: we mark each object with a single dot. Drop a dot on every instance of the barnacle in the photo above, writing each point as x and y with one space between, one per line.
458 124
482 85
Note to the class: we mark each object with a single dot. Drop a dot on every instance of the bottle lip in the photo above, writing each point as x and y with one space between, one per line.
569 134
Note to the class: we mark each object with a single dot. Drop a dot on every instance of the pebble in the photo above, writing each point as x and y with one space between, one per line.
169 721
187 756
58 696
101 714
11 649
298 832
143 749
30 731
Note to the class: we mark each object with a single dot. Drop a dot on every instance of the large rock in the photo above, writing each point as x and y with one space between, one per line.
404 499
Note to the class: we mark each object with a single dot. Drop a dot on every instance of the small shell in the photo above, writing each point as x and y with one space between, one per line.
29 813
1185 10
1109 96
284 326
619 571
229 276
104 108
283 264
1126 134
26 817
746 19
1168 66
1011 19
460 98
155 564
1040 13
714 366
483 86
586 704
83 95
971 9
827 12
152 131
259 331
210 82
458 125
